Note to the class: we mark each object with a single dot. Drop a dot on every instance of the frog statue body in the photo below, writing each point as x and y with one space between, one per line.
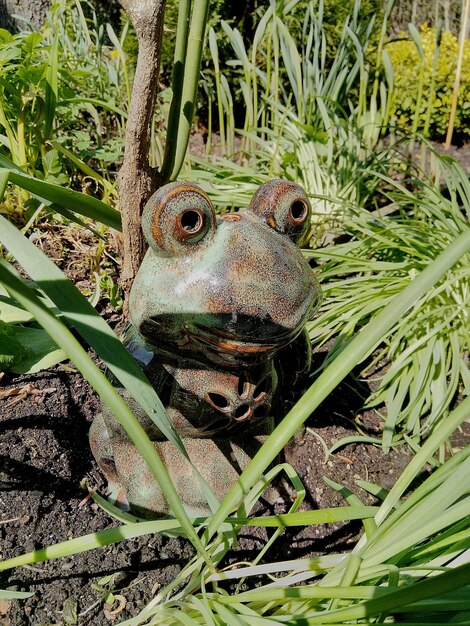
217 315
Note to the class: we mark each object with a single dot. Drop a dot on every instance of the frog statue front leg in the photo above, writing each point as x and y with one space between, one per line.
217 321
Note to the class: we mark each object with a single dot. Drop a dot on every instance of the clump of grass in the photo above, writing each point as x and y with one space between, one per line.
427 347
306 119
401 281
64 92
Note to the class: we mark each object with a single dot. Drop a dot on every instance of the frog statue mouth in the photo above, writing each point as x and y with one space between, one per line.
227 339
227 342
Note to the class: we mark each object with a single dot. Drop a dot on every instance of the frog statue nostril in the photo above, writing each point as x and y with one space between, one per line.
243 388
242 412
262 389
218 401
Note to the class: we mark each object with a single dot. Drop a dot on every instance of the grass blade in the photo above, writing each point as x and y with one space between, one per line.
64 339
49 193
90 542
15 595
307 518
354 352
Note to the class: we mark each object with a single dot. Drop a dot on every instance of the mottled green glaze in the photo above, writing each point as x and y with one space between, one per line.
217 314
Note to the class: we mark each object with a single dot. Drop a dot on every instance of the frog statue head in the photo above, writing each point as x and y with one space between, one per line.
217 319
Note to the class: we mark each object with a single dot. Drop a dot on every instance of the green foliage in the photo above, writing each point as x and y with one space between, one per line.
426 349
247 17
28 96
335 14
438 82
11 350
307 117
51 82
25 348
400 282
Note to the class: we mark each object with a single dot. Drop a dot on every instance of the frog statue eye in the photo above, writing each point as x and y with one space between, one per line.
283 206
177 219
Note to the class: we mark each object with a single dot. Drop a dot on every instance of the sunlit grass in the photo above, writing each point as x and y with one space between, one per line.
426 349
305 119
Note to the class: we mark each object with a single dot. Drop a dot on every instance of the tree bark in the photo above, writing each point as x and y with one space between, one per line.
137 180
34 12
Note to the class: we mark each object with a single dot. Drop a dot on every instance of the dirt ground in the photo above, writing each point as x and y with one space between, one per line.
44 457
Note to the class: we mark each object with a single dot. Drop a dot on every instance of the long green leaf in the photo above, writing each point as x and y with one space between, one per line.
86 169
90 542
192 66
48 193
69 199
15 595
306 518
121 411
52 87
310 592
177 84
354 352
95 102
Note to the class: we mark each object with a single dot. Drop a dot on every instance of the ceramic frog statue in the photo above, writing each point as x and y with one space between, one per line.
217 314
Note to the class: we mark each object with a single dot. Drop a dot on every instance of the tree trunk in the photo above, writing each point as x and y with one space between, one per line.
33 11
137 180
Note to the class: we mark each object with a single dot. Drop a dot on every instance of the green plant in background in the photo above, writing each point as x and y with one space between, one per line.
308 117
336 13
246 22
28 96
61 90
94 55
426 349
439 50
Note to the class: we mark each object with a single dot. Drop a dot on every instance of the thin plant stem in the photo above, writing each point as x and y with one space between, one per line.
192 67
217 74
432 88
177 81
455 94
